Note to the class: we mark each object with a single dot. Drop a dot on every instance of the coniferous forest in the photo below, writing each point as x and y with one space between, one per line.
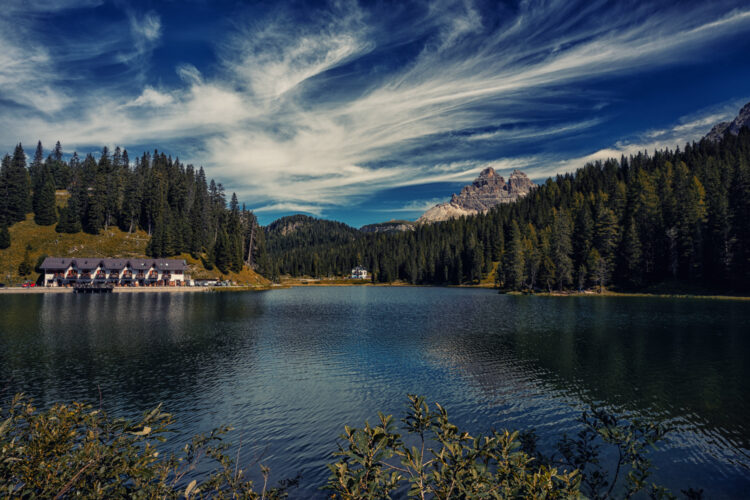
173 202
679 217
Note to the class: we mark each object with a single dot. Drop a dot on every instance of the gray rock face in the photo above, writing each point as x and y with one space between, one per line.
487 191
742 120
392 226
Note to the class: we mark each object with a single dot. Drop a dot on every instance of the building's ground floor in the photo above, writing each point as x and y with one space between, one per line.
53 280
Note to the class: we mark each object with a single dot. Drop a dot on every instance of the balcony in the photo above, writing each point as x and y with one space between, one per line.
127 275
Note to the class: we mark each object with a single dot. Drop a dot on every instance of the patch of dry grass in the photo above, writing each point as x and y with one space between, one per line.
43 240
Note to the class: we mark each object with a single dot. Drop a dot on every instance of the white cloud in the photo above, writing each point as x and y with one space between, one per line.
190 74
416 206
152 97
290 207
146 28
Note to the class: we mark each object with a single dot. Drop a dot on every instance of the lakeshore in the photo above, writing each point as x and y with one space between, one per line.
333 282
150 289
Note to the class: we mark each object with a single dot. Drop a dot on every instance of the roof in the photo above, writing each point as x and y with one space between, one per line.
93 262
114 263
55 263
87 263
170 264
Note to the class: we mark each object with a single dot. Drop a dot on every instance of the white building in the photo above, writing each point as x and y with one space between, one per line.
359 273
117 272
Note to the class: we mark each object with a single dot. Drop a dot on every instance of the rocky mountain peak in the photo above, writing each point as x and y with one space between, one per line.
486 191
487 173
742 120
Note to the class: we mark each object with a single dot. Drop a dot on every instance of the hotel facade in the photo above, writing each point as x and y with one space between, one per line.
117 272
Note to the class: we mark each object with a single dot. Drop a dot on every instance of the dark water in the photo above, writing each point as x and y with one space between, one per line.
289 368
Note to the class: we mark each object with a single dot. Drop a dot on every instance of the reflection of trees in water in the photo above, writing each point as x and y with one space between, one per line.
669 359
143 348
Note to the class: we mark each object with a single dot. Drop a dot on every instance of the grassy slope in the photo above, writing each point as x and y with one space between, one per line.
43 240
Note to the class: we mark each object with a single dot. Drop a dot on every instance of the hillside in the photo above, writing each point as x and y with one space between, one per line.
295 231
31 241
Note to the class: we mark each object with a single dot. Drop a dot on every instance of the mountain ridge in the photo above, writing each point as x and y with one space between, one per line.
720 129
486 191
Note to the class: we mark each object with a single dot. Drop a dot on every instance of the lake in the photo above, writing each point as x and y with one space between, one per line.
289 368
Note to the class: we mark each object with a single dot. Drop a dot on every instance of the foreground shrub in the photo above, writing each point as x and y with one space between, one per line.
445 462
76 451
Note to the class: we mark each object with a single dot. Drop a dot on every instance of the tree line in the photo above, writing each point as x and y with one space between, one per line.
173 202
675 216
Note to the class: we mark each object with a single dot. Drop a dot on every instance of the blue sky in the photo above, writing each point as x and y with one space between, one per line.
364 112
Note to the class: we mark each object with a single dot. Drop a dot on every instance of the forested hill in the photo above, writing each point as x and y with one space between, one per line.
680 217
174 203
297 231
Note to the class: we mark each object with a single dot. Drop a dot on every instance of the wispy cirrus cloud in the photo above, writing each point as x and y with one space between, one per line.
311 112
688 128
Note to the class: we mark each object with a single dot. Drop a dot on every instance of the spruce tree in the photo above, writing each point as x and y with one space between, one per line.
46 211
739 200
17 186
562 248
222 252
70 222
38 176
4 237
4 168
514 263
631 266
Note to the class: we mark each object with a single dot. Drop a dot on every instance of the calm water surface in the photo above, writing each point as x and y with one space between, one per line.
288 368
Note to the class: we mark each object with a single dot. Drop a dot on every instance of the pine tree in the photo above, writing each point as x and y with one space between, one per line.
598 269
691 213
38 176
606 235
4 237
547 271
17 186
26 265
739 202
631 266
514 263
222 252
562 248
532 255
4 172
69 221
46 211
